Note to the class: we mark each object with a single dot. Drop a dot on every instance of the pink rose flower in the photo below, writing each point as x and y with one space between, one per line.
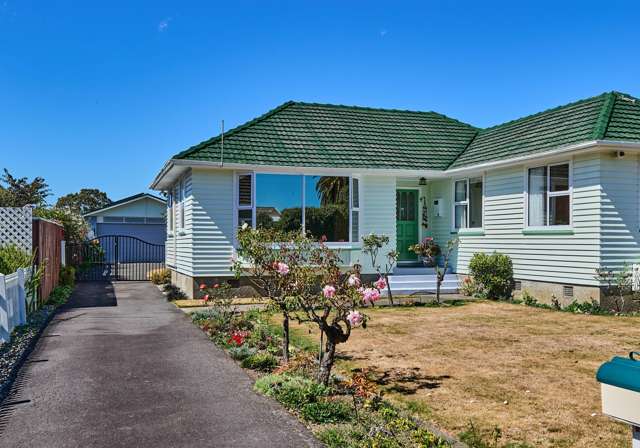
370 295
329 291
353 280
380 283
354 318
282 268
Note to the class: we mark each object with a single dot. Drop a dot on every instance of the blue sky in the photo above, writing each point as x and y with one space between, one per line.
100 94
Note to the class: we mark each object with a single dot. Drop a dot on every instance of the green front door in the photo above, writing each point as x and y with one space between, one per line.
406 223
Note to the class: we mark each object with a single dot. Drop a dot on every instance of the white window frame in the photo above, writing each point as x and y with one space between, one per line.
170 220
183 198
466 203
237 207
550 194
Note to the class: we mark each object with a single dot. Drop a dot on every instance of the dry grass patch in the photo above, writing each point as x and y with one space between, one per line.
529 371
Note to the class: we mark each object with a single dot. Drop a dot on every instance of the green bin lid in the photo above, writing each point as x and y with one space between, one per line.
621 372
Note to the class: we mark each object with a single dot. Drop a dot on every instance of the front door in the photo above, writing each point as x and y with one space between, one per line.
406 223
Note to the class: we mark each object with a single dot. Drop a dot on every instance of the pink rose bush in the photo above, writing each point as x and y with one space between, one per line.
282 268
355 318
354 281
329 291
380 283
370 295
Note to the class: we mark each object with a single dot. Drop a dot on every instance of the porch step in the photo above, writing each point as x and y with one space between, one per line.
416 283
416 270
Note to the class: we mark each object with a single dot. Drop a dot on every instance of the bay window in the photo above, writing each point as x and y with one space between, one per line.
323 207
467 203
549 195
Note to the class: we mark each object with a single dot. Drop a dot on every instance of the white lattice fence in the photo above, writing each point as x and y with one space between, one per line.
15 226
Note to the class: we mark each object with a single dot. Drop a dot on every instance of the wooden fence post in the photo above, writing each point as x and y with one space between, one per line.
22 298
4 311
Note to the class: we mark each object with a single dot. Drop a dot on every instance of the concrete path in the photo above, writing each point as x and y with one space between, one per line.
121 367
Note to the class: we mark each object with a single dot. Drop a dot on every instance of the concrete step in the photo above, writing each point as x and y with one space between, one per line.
416 270
408 291
421 278
421 281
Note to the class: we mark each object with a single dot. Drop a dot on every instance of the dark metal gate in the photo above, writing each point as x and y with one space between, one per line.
115 257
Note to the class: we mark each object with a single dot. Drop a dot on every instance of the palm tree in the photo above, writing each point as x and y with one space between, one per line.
333 190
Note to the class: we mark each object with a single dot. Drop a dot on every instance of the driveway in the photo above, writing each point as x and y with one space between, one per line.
121 367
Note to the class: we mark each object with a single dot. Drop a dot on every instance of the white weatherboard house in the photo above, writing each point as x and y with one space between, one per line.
558 191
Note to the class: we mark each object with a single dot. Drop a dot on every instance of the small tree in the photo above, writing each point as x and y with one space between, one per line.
371 245
84 201
19 192
618 285
333 305
441 272
266 257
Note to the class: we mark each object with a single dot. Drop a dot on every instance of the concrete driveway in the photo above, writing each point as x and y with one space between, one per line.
121 367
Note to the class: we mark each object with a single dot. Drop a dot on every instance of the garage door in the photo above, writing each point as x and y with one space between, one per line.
151 233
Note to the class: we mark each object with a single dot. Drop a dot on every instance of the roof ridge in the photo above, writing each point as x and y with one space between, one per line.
235 130
602 123
383 109
552 109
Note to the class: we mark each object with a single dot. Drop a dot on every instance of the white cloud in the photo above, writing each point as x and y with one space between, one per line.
164 24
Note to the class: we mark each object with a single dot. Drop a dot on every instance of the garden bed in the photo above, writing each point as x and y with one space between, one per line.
13 354
348 412
521 373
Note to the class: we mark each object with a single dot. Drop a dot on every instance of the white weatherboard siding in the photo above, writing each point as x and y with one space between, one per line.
179 245
212 222
377 215
548 258
620 210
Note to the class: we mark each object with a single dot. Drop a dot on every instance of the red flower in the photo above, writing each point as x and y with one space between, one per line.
216 285
206 298
202 286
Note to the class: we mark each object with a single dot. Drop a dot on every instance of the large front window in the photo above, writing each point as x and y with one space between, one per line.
324 207
549 196
467 208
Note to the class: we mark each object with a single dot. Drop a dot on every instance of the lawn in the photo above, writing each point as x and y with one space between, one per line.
528 371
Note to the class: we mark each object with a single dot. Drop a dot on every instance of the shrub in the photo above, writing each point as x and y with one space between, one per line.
469 287
67 276
60 295
292 391
528 299
326 412
173 292
494 273
260 361
160 276
242 352
13 258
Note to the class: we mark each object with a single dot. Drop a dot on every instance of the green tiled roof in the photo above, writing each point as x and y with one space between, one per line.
611 115
321 135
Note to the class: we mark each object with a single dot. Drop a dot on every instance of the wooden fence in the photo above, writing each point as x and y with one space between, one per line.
13 302
47 245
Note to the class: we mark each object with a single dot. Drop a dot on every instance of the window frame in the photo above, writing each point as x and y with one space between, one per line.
549 194
183 199
170 220
466 203
333 244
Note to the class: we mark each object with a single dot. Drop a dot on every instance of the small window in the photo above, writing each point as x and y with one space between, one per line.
567 291
549 195
355 209
155 220
245 199
517 285
467 200
133 220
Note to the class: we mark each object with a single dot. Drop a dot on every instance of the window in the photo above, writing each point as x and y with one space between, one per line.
134 220
467 203
245 199
112 219
325 207
549 195
355 209
155 220
170 221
